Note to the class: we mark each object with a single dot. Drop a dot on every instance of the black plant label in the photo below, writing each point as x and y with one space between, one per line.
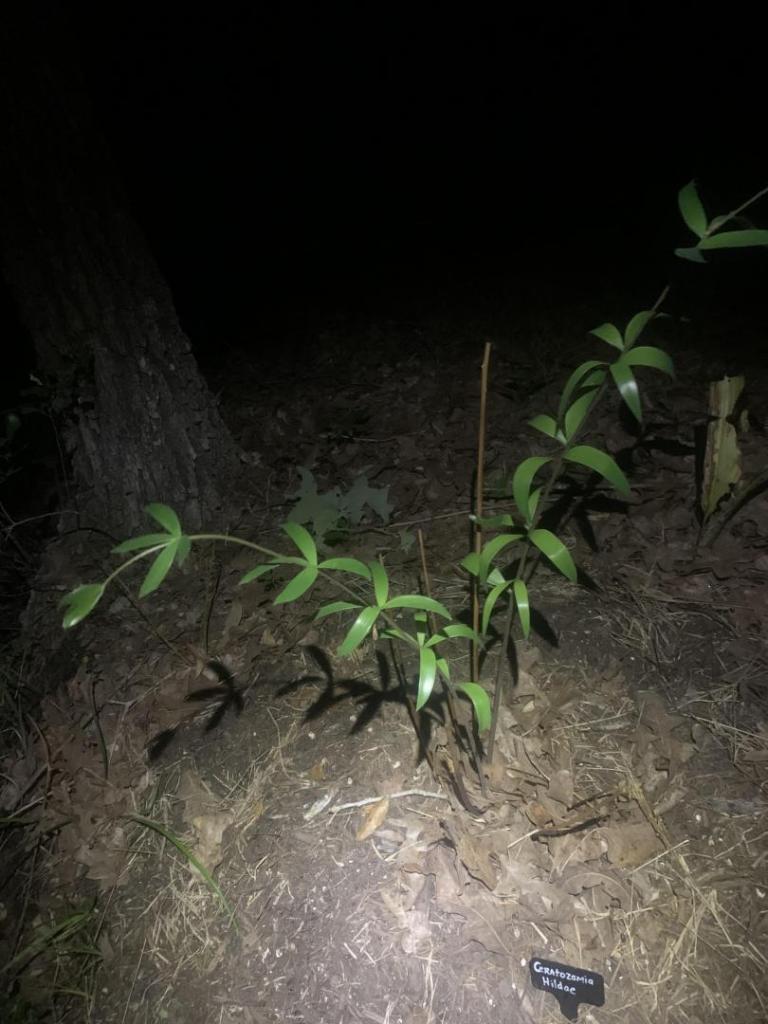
569 985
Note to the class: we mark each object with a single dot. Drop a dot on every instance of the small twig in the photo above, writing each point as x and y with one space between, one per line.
387 796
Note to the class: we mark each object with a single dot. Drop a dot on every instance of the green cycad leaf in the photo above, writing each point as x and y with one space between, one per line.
602 463
358 631
627 385
556 552
521 483
380 583
347 565
610 334
167 518
147 540
302 538
80 602
523 606
649 355
636 326
427 672
299 585
480 703
159 568
735 239
692 209
333 607
427 604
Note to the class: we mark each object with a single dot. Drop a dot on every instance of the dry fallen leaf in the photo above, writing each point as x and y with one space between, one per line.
373 817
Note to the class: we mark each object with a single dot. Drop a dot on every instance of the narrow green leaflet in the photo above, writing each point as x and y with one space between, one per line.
556 552
427 672
182 549
302 538
649 355
691 253
380 583
588 375
334 607
454 631
395 633
352 565
147 540
602 463
159 568
480 703
457 630
533 501
493 522
259 570
546 425
299 585
627 385
610 334
471 563
492 549
636 326
80 602
691 209
735 239
420 619
577 412
167 518
427 604
490 603
522 480
358 631
523 606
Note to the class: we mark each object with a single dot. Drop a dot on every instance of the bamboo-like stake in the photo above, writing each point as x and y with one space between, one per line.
479 484
452 733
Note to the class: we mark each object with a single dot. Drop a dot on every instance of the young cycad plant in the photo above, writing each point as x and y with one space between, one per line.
365 593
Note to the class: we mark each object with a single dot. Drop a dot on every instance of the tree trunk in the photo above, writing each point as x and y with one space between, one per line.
139 422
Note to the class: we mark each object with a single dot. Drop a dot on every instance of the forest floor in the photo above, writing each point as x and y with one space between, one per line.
623 825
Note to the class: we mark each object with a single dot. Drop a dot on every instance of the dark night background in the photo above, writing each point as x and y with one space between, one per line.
290 165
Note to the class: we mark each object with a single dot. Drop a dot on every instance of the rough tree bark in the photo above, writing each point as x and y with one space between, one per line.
138 419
